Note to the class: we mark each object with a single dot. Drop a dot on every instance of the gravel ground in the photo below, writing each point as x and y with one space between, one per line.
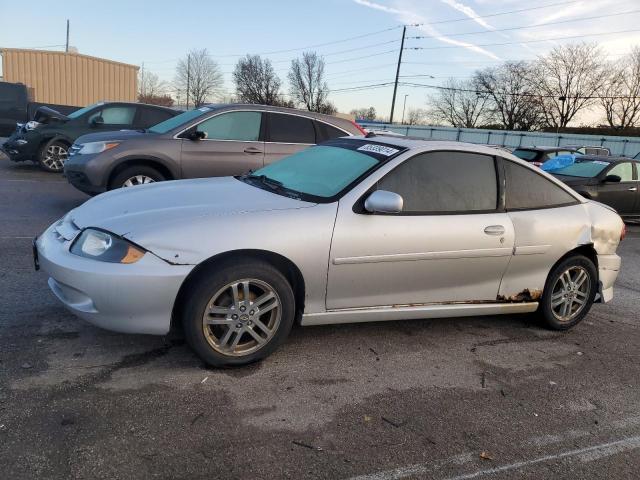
487 397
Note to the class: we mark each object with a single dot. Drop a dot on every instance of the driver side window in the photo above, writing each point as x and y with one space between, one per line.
116 115
624 171
239 126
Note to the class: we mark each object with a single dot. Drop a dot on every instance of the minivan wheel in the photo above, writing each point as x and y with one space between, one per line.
52 155
238 312
569 292
135 175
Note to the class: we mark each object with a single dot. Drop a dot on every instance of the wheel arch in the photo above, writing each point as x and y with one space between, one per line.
151 162
287 267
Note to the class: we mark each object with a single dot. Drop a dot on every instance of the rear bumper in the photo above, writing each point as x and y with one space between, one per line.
608 268
135 298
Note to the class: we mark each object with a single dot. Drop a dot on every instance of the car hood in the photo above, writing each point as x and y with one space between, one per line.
132 211
111 136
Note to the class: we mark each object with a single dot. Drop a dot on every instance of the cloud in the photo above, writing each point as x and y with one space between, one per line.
409 17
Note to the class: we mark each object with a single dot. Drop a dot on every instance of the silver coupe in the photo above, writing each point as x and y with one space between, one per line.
357 229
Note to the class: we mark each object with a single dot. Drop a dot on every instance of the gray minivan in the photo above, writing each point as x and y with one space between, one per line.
211 141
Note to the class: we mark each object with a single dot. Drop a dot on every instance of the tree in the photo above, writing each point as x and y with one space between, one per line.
511 102
457 103
621 92
567 80
199 76
255 80
368 114
150 84
308 86
163 100
416 116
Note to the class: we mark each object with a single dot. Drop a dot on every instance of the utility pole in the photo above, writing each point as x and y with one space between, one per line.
66 49
395 87
142 80
404 107
188 76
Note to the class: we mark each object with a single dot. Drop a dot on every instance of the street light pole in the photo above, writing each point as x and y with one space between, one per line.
404 107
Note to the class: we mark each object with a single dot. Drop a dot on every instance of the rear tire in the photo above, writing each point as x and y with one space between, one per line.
135 175
52 155
569 292
237 312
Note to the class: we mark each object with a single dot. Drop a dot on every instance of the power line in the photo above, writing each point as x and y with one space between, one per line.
477 32
525 41
464 19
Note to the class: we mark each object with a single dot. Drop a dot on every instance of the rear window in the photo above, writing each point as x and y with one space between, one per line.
526 189
291 129
528 155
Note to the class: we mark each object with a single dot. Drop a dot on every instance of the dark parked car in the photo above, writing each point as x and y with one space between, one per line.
539 155
16 106
609 180
47 138
211 141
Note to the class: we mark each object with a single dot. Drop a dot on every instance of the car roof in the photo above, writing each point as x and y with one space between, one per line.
546 149
605 158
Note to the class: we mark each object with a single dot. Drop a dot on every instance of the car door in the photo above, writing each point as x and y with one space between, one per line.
619 195
451 242
232 145
286 134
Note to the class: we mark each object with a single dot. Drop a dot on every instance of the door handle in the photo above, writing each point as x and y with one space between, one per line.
252 150
494 230
633 189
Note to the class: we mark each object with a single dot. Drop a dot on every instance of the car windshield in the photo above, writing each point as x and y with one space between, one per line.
527 155
83 110
323 171
174 122
582 168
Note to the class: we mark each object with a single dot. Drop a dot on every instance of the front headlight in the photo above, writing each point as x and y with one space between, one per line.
106 247
32 125
96 147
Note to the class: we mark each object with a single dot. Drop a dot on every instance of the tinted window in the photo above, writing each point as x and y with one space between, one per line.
152 116
290 129
116 115
327 132
240 126
528 155
527 189
445 182
623 170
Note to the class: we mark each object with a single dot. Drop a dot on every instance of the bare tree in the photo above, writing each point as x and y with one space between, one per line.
416 116
308 86
255 80
567 80
364 113
150 84
199 76
458 103
621 92
511 101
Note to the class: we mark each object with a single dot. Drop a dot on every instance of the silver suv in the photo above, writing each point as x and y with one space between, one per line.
211 141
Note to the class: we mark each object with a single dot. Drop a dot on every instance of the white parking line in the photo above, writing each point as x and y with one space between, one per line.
586 454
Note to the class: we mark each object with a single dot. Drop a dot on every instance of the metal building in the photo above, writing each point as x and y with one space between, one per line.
70 78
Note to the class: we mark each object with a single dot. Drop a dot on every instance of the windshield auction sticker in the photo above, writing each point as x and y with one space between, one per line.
379 149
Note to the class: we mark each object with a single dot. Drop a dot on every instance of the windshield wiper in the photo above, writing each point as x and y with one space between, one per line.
272 184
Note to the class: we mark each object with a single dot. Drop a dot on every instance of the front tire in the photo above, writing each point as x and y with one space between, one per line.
238 312
135 175
569 292
52 155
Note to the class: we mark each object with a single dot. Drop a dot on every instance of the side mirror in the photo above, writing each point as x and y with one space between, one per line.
96 121
382 201
612 179
197 135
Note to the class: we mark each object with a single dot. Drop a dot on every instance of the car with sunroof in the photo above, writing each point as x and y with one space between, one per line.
210 141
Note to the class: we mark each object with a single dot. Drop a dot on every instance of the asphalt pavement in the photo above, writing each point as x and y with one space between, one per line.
489 397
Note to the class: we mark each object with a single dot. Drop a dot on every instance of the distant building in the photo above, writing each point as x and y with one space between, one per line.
69 78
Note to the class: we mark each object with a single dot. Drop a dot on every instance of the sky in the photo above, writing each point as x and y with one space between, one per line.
462 36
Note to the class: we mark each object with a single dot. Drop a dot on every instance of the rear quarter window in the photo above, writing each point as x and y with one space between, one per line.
526 189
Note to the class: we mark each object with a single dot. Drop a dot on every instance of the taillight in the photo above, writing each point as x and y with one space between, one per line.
362 130
623 233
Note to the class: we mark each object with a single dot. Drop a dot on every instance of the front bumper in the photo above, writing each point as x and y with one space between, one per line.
19 149
85 173
134 298
608 268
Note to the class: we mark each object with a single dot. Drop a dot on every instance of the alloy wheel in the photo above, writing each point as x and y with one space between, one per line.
55 156
570 293
137 180
242 317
